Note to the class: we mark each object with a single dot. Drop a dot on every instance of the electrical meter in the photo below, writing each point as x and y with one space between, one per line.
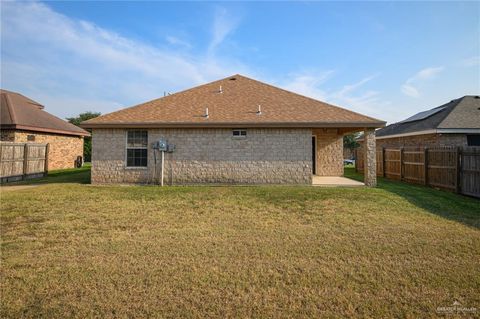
161 145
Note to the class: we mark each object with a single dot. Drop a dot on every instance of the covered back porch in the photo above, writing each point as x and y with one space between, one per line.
327 156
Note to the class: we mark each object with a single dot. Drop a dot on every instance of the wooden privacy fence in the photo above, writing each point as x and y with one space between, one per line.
452 168
22 161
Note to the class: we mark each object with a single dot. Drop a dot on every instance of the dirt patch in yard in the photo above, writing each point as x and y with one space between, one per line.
16 188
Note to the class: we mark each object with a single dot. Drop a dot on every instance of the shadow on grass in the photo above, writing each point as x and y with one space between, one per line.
71 175
448 205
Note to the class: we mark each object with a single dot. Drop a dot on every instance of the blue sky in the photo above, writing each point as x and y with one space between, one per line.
383 59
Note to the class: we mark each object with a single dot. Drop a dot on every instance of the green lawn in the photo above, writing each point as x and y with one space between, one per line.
74 250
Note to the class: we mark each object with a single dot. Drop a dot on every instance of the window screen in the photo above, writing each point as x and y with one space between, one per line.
137 143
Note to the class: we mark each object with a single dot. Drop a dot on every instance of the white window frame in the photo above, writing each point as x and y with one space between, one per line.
136 147
240 131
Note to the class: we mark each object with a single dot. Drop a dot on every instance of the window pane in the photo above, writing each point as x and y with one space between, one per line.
130 157
137 139
239 133
144 139
130 137
137 157
473 140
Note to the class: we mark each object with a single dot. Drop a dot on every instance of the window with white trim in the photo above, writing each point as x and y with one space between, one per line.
137 148
239 133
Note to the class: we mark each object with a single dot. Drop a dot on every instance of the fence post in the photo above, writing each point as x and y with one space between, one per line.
401 163
425 165
25 160
356 160
383 161
45 169
458 167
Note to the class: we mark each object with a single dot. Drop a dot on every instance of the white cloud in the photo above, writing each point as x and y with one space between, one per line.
177 41
223 24
472 61
410 90
351 96
77 66
410 87
308 84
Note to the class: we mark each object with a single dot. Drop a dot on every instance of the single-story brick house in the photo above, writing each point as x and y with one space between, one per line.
456 123
23 120
234 130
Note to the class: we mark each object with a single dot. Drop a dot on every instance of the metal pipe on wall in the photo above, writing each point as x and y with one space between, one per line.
163 164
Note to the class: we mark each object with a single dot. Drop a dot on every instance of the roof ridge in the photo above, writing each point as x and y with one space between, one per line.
29 100
310 98
11 111
454 106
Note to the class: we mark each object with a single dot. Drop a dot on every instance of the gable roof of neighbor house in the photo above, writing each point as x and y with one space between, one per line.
457 116
20 112
233 102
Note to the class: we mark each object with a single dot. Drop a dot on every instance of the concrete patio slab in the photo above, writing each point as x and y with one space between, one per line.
335 181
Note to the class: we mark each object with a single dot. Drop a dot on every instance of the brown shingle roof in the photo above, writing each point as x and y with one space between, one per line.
20 112
235 106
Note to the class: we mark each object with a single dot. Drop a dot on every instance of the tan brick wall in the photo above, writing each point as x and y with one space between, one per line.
63 149
430 140
7 136
369 158
329 152
266 156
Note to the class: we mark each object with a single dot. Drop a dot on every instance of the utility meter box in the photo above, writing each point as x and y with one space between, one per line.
161 145
170 148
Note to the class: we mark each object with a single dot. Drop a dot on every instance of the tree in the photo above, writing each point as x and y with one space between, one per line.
87 144
350 142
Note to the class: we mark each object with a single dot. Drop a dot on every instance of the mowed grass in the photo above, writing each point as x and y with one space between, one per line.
72 250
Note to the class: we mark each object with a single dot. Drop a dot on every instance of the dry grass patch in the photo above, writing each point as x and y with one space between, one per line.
86 251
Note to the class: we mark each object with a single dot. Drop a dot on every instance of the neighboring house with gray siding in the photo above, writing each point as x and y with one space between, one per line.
232 131
456 123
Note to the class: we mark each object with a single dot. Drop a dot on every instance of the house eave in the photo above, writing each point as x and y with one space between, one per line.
41 129
434 131
236 125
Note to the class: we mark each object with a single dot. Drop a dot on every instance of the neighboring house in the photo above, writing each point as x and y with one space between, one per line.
24 120
234 130
456 123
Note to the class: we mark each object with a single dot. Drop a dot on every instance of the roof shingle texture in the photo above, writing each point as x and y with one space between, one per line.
236 103
20 112
462 113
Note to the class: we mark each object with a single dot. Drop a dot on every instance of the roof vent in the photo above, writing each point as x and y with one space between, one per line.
259 111
220 90
206 113
233 79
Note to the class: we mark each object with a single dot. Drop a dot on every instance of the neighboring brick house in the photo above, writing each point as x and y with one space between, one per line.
24 120
456 123
235 130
